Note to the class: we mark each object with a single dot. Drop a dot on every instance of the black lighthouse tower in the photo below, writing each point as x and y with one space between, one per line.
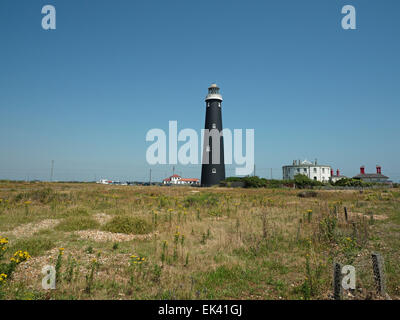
213 166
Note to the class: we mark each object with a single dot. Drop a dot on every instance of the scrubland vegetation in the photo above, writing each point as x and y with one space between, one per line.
124 242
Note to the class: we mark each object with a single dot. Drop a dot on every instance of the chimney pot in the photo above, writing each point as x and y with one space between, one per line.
378 169
362 170
338 172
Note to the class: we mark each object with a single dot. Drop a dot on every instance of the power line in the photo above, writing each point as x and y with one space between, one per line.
52 169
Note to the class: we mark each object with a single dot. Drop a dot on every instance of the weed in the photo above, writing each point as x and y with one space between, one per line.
90 276
89 250
59 263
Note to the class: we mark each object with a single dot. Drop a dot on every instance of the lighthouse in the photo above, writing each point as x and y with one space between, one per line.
213 166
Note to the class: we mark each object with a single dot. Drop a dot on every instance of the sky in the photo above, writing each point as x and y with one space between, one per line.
86 93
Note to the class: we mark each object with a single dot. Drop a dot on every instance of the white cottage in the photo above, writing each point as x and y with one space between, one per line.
176 179
312 170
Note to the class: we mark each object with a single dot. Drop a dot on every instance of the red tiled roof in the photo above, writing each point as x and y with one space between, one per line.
173 176
190 179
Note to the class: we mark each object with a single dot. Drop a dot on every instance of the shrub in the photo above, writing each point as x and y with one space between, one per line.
303 181
346 182
307 194
77 223
128 225
255 182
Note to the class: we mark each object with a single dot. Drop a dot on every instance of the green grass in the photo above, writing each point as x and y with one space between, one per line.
35 245
229 281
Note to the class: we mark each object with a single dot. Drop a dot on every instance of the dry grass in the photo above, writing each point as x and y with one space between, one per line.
197 243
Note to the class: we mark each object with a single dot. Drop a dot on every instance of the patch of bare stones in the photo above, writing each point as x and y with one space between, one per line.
27 230
104 236
366 216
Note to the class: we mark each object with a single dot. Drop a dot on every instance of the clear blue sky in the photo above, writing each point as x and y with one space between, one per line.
86 93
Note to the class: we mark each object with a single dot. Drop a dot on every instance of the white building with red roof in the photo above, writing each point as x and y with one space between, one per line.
176 179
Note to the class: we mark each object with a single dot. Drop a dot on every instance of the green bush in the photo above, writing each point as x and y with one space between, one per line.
256 182
346 182
307 194
128 225
77 223
301 181
233 179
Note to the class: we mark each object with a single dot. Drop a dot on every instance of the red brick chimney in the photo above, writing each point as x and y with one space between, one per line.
338 172
331 172
362 170
378 169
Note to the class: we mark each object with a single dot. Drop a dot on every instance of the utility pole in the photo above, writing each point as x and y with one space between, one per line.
254 170
271 173
52 169
173 170
150 177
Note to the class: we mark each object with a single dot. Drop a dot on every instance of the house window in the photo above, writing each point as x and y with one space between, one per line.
214 126
298 170
219 104
315 169
214 170
305 169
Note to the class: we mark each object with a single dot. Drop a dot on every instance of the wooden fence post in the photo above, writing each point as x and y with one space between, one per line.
379 273
337 281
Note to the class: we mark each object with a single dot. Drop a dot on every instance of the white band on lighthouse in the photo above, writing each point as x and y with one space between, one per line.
213 93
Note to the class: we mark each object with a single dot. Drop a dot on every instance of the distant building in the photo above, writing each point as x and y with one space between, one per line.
176 179
336 177
105 181
312 170
377 177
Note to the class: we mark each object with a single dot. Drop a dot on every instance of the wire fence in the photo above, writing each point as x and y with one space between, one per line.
133 173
